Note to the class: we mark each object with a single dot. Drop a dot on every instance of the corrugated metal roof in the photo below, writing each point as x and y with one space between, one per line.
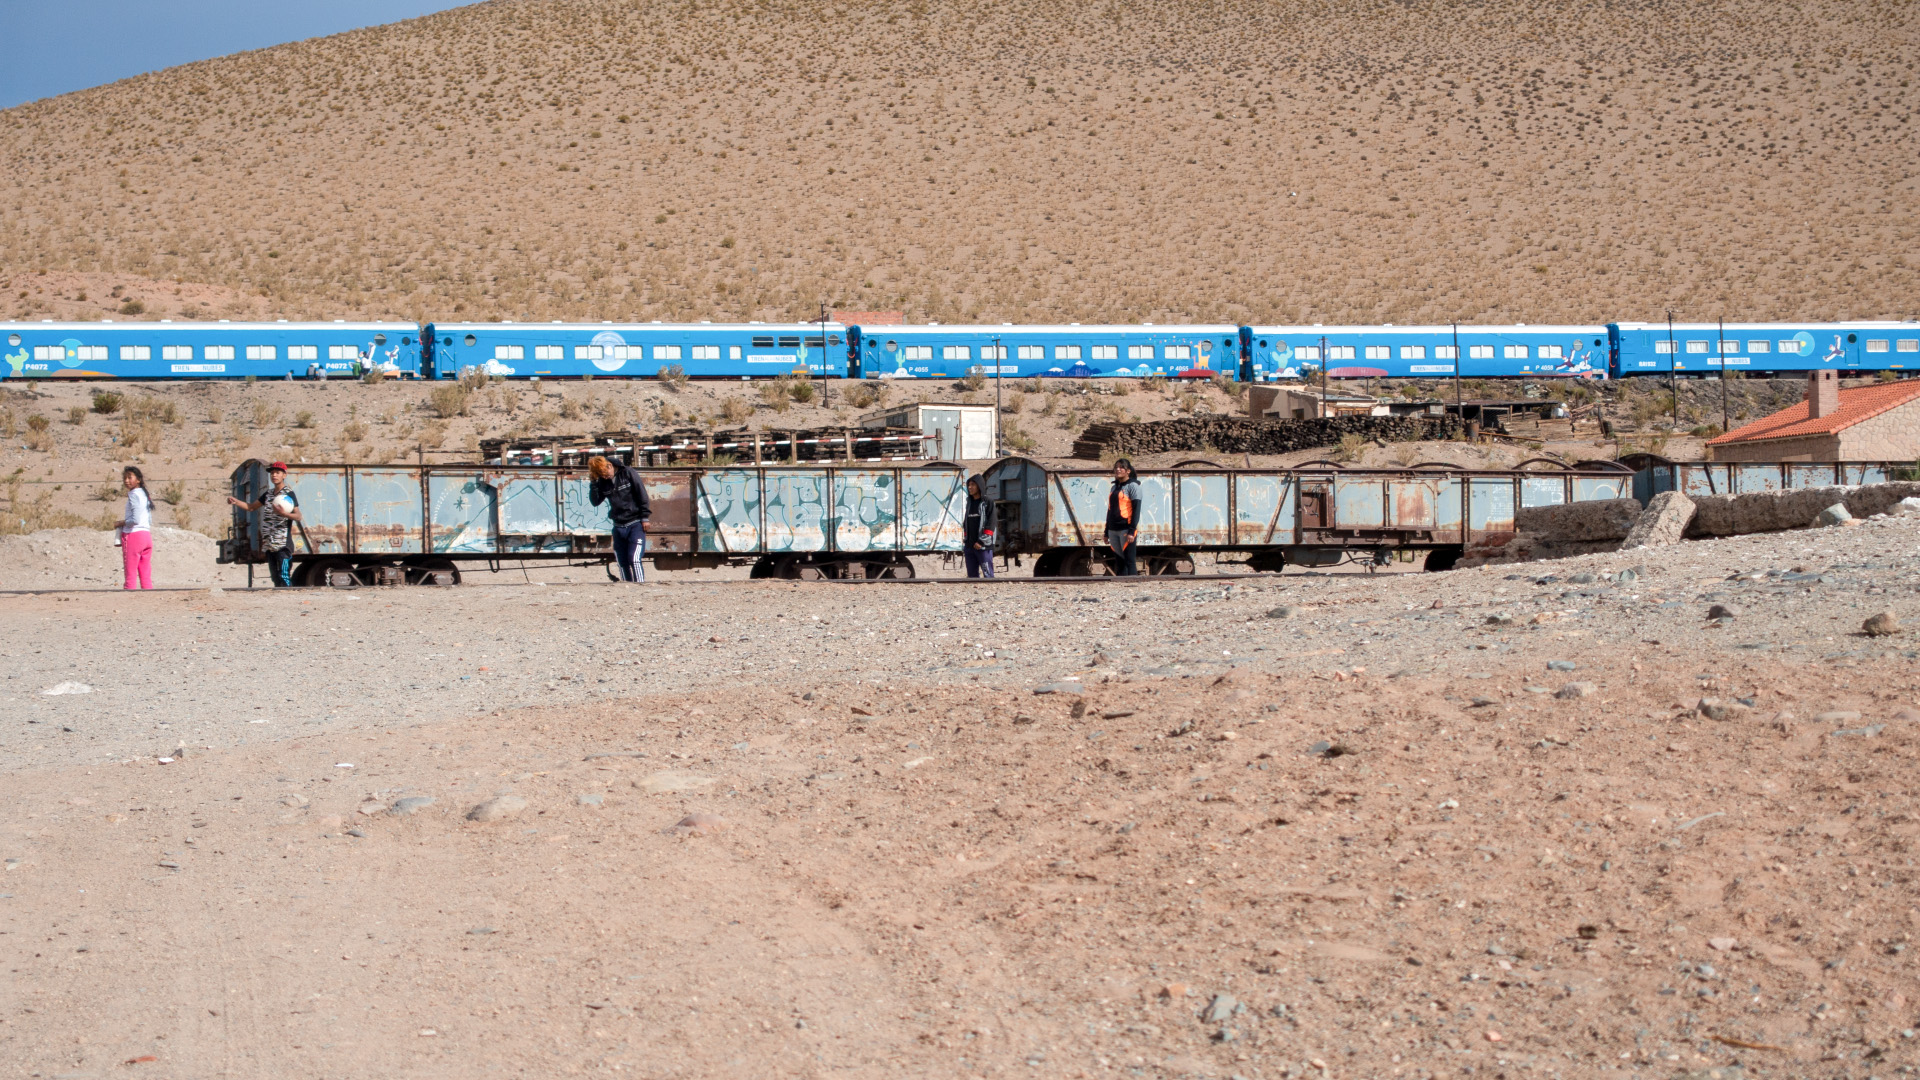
1858 404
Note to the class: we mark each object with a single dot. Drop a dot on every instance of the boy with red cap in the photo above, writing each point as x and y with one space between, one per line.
281 507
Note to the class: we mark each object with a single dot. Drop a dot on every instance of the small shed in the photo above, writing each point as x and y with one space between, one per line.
1867 423
956 432
1291 402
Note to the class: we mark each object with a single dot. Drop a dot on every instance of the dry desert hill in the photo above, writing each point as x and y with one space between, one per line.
1020 161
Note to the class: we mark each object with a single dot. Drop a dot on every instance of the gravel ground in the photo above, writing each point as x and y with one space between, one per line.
1295 826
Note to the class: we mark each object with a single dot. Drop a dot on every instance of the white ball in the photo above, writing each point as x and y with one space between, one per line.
283 505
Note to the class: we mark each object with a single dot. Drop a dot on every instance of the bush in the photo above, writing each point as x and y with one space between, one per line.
801 390
775 395
106 402
354 431
373 374
450 400
473 378
1352 445
974 381
265 414
37 423
862 395
133 307
674 376
76 414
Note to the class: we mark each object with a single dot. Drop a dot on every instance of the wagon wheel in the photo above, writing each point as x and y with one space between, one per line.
1171 562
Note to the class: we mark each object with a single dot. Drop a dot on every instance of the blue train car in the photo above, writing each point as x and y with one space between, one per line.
638 350
193 350
1071 351
1359 352
1691 349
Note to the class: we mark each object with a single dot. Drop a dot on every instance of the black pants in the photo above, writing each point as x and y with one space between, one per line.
280 563
1123 552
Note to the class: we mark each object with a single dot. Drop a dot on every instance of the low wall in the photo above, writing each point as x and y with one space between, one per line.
1239 434
1774 511
1602 519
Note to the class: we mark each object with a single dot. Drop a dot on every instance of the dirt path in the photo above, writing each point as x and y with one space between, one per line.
1373 837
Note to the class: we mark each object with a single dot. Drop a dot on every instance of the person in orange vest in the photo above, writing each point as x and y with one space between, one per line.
1123 519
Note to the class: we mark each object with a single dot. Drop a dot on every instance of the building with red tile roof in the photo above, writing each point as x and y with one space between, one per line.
1880 422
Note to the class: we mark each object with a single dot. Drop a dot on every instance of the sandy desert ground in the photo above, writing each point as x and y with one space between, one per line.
1519 821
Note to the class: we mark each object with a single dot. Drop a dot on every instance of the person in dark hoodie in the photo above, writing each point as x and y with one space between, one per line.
1123 519
621 488
981 527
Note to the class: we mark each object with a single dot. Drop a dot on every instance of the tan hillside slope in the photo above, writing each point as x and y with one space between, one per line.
1018 161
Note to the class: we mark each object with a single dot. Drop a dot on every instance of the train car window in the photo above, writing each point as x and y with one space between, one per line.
1444 352
1663 346
1908 345
509 352
1788 345
1179 352
1480 352
790 342
1851 338
1206 346
666 352
587 352
379 339
893 346
706 352
1413 352
1876 345
136 352
1696 346
733 352
993 352
919 352
303 352
763 343
471 341
1516 352
1263 343
956 352
261 352
13 339
1760 345
834 339
1307 352
1340 352
1226 341
1550 352
1379 352
814 342
1139 352
1729 347
219 352
406 341
1032 352
1597 341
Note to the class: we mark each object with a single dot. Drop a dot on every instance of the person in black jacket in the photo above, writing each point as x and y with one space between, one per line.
981 528
1123 519
626 495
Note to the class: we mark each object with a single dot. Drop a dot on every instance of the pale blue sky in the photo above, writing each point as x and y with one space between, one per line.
58 46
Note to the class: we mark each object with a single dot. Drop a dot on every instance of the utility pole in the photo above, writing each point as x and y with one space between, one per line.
826 383
1720 346
1673 377
998 448
1459 409
1323 376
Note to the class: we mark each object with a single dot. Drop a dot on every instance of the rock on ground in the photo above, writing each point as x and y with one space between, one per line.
1663 522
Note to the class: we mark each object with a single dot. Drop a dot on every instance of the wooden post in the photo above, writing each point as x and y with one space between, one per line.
847 434
756 448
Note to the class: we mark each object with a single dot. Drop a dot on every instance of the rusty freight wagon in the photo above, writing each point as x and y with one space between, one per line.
1318 514
421 524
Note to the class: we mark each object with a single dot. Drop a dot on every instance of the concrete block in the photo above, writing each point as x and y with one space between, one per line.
1663 522
1833 515
1603 519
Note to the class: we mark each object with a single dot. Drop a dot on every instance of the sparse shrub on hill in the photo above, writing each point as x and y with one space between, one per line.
450 400
106 402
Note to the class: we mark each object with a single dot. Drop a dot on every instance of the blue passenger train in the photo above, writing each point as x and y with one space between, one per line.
167 350
220 350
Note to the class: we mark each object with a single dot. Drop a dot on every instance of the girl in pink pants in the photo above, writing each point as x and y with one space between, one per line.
136 530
